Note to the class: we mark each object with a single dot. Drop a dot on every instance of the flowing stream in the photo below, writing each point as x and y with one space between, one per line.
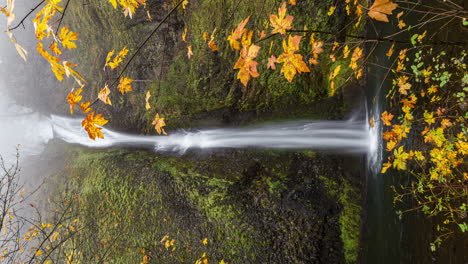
344 136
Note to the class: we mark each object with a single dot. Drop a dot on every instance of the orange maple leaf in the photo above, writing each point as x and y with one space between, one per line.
246 64
103 95
124 85
237 34
386 118
90 124
292 62
73 98
158 124
380 9
85 107
281 22
271 62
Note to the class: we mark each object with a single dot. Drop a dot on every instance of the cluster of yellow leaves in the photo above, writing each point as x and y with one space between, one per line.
246 64
317 48
236 34
91 123
128 6
115 62
292 62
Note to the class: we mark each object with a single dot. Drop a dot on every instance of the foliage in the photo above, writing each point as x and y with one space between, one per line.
427 135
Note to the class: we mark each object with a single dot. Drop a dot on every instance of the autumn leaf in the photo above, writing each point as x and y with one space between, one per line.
292 63
158 124
316 49
357 54
390 51
189 52
246 64
90 124
335 72
237 34
185 3
147 97
371 121
124 85
403 85
292 2
346 52
386 118
55 49
205 241
184 35
331 11
67 36
271 62
54 236
85 107
385 167
391 145
118 58
74 98
429 118
212 43
400 158
380 9
281 22
103 95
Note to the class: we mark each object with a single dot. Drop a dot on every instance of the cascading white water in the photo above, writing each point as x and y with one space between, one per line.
342 136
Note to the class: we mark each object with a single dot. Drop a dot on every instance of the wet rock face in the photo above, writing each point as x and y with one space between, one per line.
299 222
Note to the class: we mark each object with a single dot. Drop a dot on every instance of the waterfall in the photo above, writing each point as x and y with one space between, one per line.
341 136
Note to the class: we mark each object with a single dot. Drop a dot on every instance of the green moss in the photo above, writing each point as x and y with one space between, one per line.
350 217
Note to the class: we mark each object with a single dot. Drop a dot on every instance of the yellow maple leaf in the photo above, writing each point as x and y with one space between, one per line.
158 124
85 107
90 124
184 35
189 51
281 22
55 49
147 97
205 241
237 34
357 54
386 118
292 63
380 9
124 85
246 64
184 4
67 36
103 95
335 72
331 11
74 98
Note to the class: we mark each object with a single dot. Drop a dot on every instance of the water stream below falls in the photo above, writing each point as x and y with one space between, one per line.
344 136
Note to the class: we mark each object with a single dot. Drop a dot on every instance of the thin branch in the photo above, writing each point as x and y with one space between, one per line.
27 15
61 18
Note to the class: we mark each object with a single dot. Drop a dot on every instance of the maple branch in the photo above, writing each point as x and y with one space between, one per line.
141 46
61 18
27 15
366 39
147 39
